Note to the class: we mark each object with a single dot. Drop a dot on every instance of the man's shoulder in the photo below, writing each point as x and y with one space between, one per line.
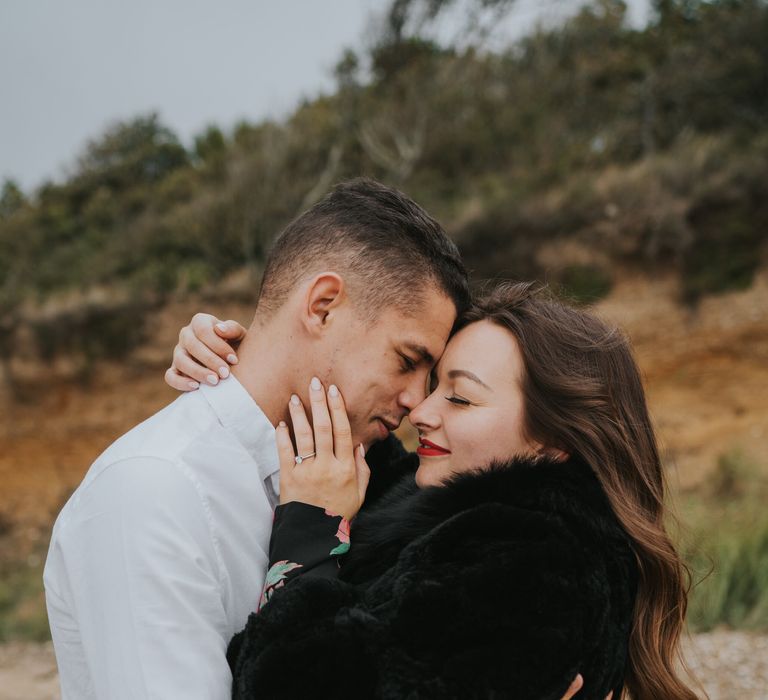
148 456
164 435
169 435
183 444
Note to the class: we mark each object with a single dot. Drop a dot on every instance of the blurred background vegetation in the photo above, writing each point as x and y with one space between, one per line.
577 151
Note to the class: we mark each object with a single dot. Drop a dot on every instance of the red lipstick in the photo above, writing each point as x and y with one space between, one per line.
429 449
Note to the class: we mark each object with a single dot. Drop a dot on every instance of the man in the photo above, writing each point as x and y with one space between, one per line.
158 558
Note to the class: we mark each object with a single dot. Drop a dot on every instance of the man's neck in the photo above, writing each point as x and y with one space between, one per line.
264 368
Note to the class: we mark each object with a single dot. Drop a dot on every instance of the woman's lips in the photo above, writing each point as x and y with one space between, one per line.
429 449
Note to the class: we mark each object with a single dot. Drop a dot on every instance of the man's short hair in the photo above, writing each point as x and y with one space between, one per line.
388 249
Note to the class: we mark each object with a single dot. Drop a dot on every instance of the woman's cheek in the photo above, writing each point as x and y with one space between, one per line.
493 437
473 446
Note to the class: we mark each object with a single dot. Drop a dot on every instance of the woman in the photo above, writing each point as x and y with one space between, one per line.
529 547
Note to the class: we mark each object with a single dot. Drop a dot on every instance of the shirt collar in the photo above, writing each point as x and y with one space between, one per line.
241 415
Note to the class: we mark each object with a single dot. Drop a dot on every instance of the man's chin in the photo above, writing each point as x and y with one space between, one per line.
375 432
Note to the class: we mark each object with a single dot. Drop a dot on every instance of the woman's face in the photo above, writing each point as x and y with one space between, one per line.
475 411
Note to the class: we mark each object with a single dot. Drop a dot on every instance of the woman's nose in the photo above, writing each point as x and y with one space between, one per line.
425 415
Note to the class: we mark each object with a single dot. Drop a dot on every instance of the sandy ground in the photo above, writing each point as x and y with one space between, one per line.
730 665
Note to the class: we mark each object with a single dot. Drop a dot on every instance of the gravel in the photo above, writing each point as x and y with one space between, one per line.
729 665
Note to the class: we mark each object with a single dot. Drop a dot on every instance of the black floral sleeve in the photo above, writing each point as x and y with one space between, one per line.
306 540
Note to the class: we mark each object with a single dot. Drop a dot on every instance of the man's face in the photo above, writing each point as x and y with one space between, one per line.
382 368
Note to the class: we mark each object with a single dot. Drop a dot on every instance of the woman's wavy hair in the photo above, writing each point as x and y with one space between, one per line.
584 394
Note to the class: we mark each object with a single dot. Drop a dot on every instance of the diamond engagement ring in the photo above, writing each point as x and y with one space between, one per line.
299 459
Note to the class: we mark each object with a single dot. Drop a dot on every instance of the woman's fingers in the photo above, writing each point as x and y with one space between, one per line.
363 471
305 442
208 329
575 687
321 419
285 451
200 350
342 433
179 381
232 331
184 364
203 353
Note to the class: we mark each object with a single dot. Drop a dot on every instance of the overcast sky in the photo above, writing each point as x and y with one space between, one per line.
68 68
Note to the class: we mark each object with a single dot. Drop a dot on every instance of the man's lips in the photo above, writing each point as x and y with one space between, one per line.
429 449
387 426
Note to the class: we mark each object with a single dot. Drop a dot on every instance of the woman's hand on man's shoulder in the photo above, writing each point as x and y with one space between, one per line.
205 350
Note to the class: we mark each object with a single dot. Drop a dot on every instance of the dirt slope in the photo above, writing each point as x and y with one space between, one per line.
706 372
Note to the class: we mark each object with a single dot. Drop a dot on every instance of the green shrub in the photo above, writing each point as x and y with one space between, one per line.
726 547
728 231
22 601
92 331
585 284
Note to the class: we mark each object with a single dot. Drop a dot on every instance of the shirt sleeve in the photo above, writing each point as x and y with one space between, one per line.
133 579
306 541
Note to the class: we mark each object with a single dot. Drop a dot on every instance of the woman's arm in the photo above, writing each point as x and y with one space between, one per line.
319 492
308 535
306 541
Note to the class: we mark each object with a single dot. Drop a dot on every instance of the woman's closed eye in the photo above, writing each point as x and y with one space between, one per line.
457 400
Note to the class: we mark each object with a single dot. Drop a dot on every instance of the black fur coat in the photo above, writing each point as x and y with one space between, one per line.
504 583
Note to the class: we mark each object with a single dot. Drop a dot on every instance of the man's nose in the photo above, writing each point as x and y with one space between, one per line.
424 416
415 391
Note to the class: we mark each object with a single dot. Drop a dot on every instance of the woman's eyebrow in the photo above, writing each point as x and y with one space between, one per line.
468 375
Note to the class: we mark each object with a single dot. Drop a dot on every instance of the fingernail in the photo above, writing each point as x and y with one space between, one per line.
315 384
223 372
282 424
295 400
212 379
333 391
362 450
222 327
232 359
194 385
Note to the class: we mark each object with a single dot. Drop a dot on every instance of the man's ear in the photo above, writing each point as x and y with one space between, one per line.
323 296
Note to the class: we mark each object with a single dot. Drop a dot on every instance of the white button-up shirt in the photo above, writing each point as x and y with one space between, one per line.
160 555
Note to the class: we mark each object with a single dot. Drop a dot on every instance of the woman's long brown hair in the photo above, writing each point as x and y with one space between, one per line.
584 395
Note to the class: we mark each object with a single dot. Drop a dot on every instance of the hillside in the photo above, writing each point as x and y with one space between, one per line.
706 373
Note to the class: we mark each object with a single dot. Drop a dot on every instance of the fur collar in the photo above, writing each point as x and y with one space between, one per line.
569 490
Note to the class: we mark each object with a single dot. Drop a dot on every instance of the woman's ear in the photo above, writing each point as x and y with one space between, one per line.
325 293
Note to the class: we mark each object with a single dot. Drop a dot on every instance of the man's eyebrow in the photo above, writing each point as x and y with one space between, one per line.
421 351
464 373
